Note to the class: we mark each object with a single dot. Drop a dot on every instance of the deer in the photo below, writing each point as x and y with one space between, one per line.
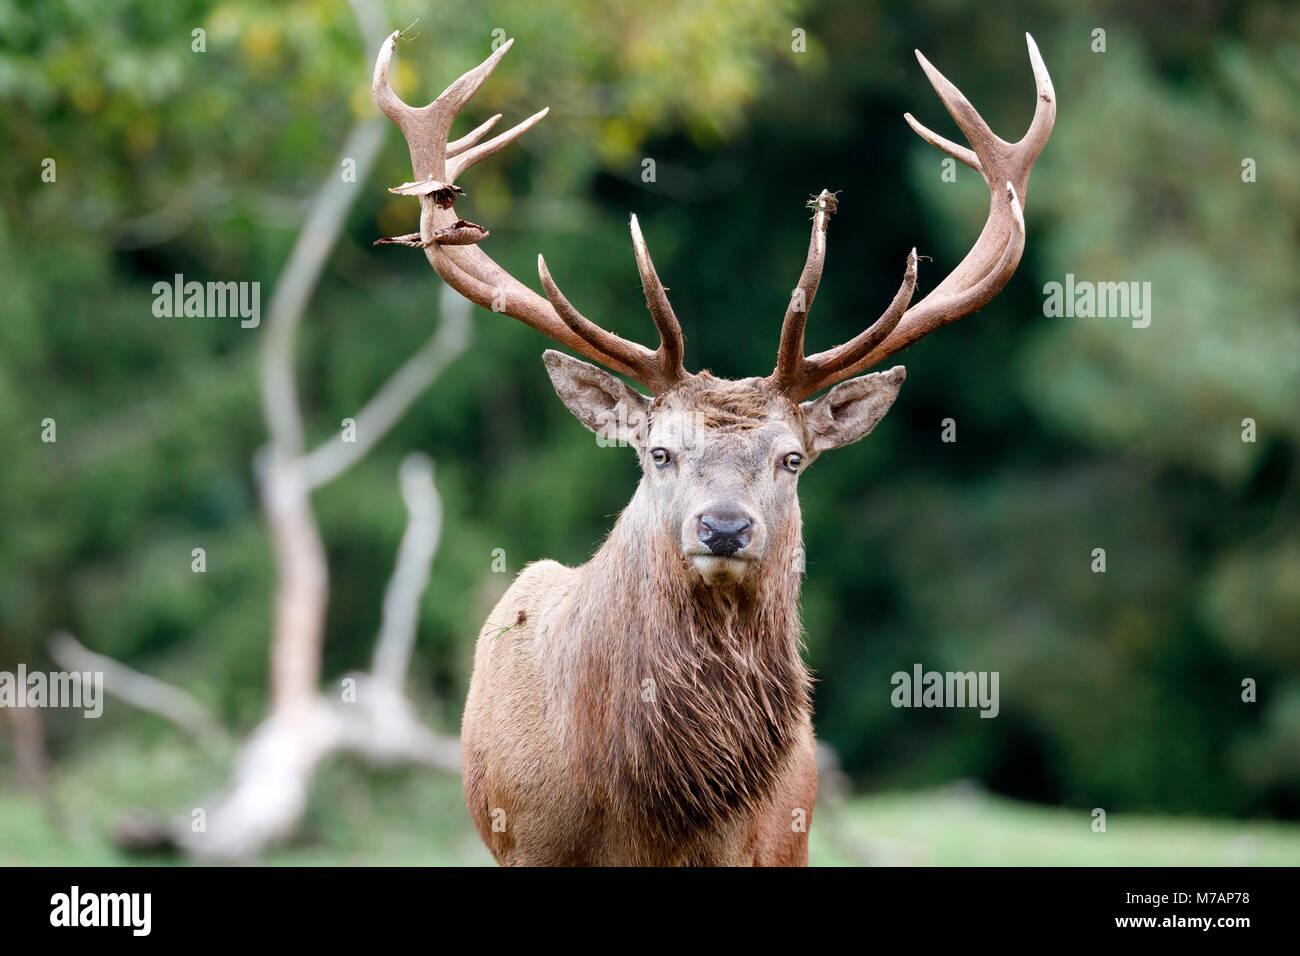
652 706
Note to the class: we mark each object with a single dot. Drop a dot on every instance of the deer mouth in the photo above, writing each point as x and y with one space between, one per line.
721 569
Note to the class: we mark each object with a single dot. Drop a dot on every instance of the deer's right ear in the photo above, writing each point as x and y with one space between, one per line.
603 402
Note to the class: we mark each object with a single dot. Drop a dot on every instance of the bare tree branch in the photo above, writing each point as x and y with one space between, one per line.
142 691
293 291
390 403
410 573
373 719
297 282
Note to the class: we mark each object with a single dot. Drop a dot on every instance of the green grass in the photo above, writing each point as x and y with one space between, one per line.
359 817
960 826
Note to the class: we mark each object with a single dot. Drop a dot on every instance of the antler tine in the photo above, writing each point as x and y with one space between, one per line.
631 354
823 365
672 344
387 100
456 147
968 120
462 89
959 153
996 253
789 355
1040 127
468 158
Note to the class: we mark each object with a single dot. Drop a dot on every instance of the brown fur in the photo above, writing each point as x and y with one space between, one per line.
689 777
721 403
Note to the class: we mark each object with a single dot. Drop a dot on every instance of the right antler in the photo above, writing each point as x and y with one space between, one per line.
980 276
450 243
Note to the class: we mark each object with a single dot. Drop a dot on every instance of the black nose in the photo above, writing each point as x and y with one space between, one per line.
724 532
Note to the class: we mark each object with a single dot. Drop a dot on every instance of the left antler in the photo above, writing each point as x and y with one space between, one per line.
450 243
980 276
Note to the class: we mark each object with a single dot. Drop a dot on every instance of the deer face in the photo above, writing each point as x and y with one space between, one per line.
721 459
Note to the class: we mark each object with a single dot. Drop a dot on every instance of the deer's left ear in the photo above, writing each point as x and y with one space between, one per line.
851 409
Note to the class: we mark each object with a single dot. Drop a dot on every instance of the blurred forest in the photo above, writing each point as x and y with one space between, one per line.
1120 690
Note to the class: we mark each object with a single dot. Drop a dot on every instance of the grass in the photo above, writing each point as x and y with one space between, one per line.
361 818
959 826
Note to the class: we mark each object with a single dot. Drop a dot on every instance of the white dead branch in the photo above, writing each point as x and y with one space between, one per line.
370 717
373 720
142 691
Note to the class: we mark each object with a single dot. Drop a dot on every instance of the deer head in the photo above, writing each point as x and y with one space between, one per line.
720 458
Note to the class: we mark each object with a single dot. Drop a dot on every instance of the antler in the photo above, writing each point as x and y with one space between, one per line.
980 276
450 243
797 376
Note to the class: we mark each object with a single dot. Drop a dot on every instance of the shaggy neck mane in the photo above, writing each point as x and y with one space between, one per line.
683 701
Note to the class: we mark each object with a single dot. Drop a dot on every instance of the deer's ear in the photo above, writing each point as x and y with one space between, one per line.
851 409
603 402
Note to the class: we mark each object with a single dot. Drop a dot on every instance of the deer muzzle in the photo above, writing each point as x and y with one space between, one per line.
725 532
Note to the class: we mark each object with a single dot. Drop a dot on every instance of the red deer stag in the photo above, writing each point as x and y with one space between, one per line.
652 706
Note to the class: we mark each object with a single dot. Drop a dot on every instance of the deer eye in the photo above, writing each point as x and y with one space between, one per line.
792 461
660 457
